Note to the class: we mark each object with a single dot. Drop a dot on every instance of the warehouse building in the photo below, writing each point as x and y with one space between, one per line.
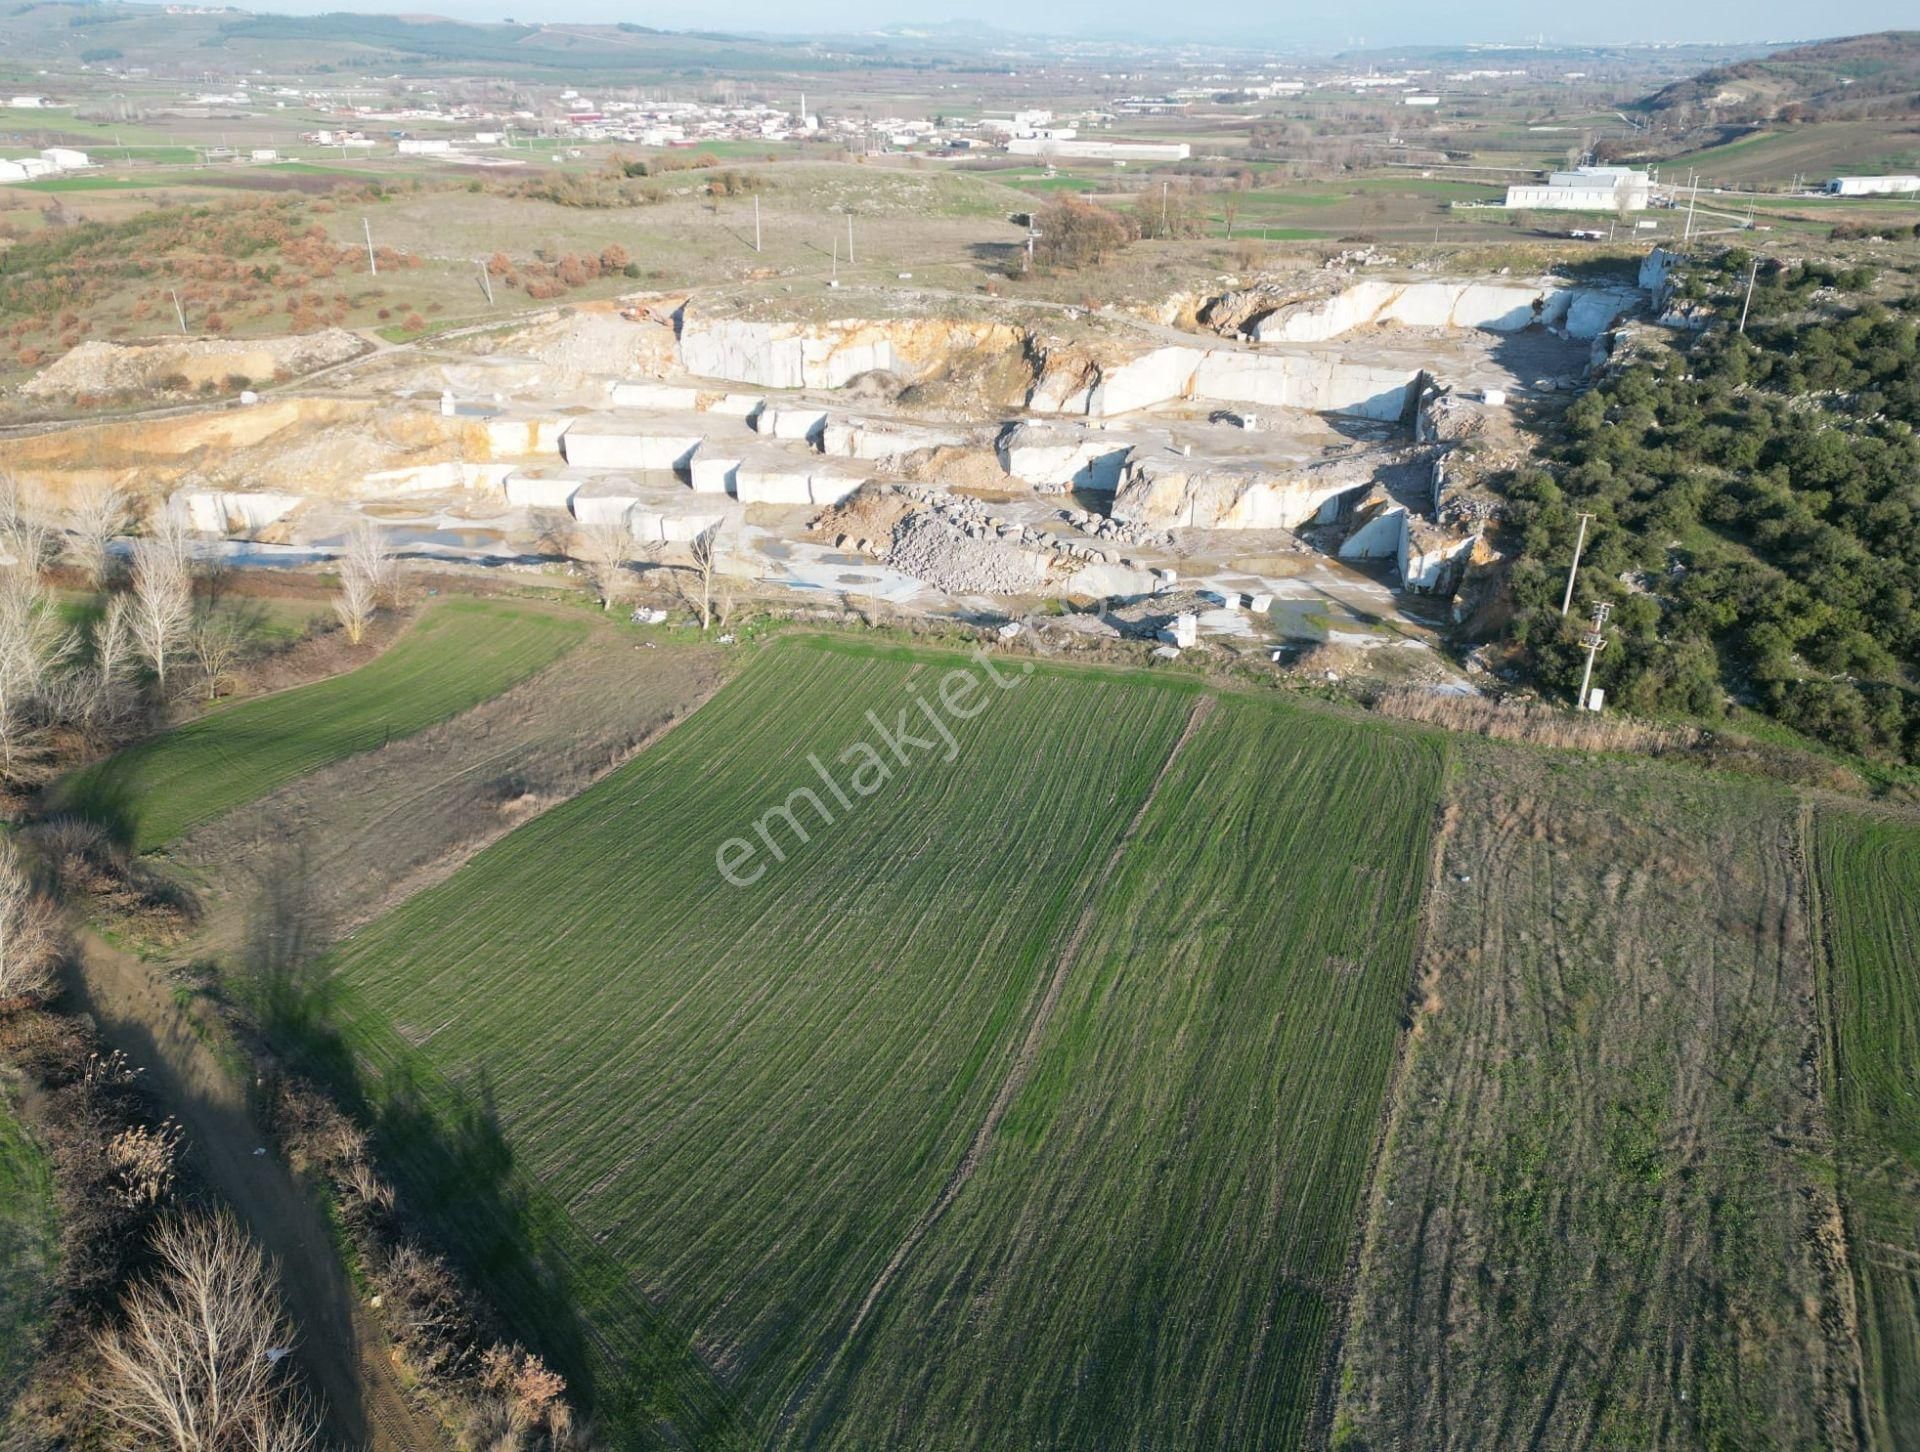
1872 186
1585 189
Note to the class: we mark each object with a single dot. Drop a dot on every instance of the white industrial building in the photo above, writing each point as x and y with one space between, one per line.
1100 150
49 162
1585 189
1872 186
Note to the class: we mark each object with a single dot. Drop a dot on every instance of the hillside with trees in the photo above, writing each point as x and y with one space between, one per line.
1755 500
1853 77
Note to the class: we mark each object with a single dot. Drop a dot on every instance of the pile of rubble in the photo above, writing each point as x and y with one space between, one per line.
1101 526
963 558
975 521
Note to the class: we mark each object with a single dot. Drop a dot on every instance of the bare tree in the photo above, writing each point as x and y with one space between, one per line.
194 1364
219 643
34 646
114 657
101 517
30 934
369 573
705 551
162 592
606 548
24 537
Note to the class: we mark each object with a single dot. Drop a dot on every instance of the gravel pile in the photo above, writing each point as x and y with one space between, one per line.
102 367
943 554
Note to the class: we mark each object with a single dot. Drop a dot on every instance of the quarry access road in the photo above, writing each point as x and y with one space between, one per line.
341 1352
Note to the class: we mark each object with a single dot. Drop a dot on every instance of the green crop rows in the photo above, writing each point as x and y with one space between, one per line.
1870 880
459 654
1080 1117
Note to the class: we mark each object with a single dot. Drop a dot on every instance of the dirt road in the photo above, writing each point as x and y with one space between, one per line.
341 1351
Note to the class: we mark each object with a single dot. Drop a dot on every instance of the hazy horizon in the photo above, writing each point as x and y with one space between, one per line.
1371 24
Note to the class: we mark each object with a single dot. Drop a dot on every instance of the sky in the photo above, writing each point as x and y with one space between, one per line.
1318 23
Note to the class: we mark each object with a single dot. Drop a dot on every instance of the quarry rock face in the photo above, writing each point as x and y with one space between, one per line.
1054 459
1500 307
219 512
1121 372
885 442
1072 383
1163 493
1318 382
822 355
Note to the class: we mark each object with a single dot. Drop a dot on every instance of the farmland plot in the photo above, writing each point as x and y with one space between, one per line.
1149 1250
700 1118
1095 1016
1604 1216
459 654
338 846
1870 884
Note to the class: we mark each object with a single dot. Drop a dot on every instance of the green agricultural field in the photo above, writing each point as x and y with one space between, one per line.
1151 1246
1870 882
1604 1213
457 655
1814 152
29 1245
910 1133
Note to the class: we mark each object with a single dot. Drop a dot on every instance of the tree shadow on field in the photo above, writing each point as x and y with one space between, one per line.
444 1146
105 796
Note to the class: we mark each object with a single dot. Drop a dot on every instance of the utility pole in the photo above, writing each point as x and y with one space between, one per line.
756 222
178 311
372 265
833 275
1595 641
486 282
1752 273
1573 569
849 237
1692 197
1163 208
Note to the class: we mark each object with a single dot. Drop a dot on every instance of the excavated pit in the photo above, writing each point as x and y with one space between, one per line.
1313 420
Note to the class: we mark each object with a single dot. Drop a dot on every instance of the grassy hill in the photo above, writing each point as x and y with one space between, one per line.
235 41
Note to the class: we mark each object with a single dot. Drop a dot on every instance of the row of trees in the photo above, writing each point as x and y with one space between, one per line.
159 631
1756 524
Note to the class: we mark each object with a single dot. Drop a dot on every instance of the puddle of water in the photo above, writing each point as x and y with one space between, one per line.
459 539
1320 619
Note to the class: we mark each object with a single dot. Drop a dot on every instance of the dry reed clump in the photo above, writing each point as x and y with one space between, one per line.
1544 725
1535 722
